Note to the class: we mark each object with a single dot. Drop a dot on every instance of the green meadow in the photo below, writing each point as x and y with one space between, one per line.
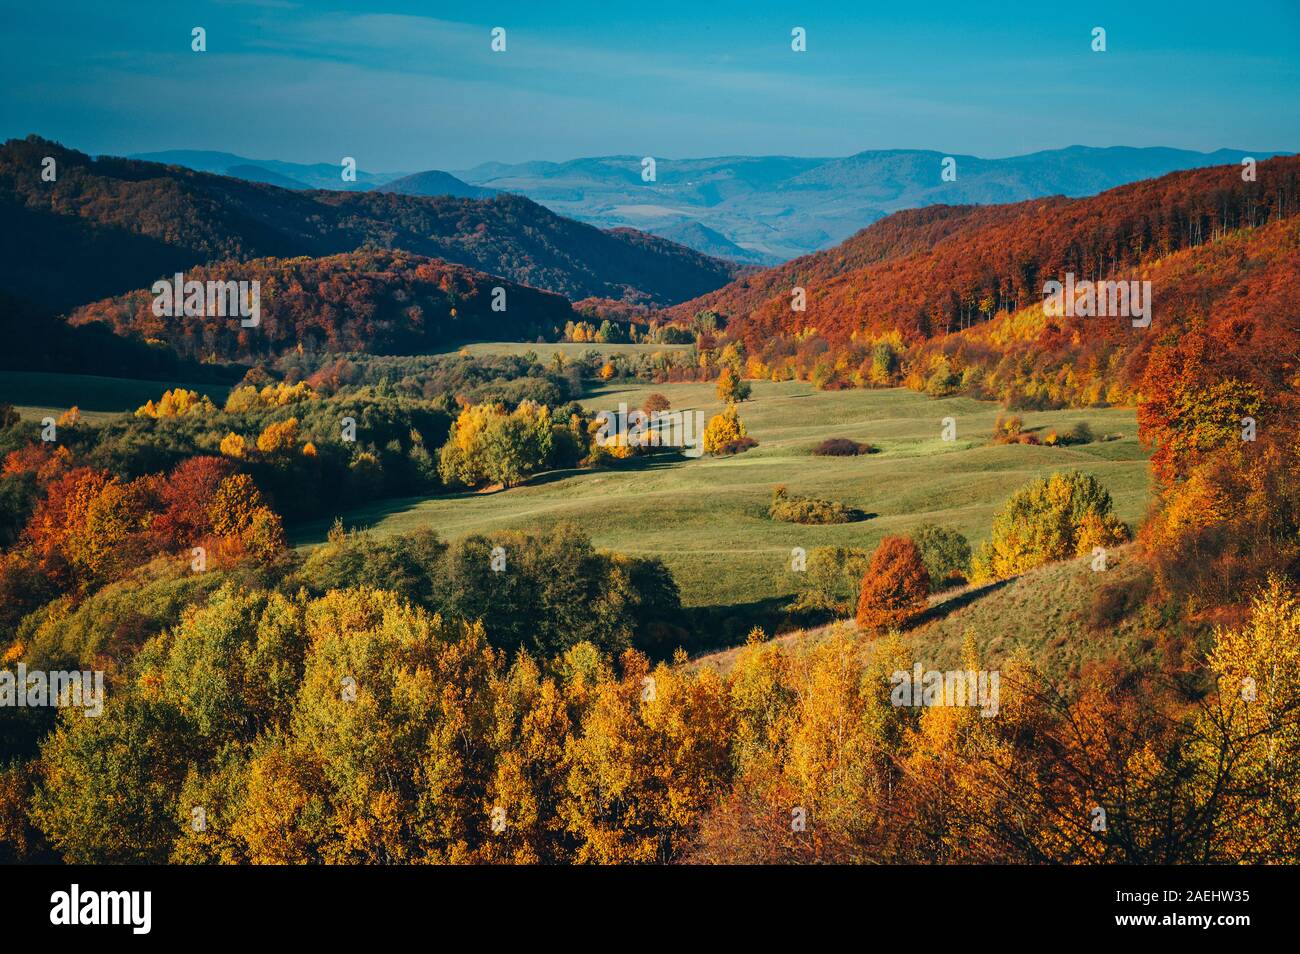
706 518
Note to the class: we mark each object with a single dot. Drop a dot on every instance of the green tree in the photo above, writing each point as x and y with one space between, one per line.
112 784
945 553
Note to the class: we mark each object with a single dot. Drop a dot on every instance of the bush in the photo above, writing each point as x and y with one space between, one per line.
1007 429
1081 433
1048 519
809 510
945 553
738 446
656 402
841 447
895 586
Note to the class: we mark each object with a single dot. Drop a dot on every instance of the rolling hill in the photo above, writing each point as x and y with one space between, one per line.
940 269
375 300
124 223
435 182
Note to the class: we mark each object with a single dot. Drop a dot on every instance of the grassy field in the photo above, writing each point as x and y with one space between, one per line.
707 518
36 395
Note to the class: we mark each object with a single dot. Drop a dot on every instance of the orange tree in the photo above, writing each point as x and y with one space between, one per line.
895 586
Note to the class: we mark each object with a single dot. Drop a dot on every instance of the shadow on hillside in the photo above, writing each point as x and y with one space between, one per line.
943 607
314 532
632 464
724 626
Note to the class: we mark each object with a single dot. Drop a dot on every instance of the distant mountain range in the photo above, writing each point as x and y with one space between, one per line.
320 175
316 176
108 225
287 175
776 208
752 209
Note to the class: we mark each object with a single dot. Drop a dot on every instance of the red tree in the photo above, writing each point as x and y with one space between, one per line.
895 586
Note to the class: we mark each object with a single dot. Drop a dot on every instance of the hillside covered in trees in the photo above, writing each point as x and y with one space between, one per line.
379 699
938 270
126 223
374 300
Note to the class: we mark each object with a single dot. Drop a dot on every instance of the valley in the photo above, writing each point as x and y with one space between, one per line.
707 520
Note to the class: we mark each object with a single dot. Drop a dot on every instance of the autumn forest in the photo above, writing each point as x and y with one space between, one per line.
483 518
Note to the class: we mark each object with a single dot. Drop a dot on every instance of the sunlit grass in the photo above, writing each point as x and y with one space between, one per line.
707 518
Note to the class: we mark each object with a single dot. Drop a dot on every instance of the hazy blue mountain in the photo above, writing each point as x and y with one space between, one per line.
752 209
704 239
435 182
778 207
258 174
128 221
318 175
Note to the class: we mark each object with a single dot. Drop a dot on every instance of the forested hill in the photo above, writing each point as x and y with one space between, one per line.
375 300
935 270
108 225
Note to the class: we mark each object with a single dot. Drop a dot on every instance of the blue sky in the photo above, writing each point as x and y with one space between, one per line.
408 86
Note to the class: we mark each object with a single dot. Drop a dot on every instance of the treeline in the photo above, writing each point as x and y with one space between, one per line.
448 380
312 457
949 300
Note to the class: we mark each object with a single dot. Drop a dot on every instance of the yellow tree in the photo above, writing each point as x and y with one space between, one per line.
723 429
280 437
531 722
1247 749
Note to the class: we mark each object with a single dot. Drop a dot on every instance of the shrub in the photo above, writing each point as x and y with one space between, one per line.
1007 430
738 446
895 586
945 553
656 402
810 510
841 447
1081 433
1048 519
234 445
